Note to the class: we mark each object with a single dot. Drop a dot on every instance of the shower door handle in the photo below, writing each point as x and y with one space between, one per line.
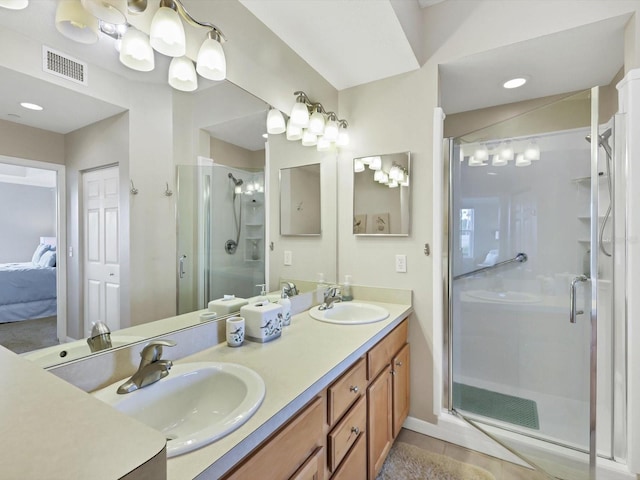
572 298
181 271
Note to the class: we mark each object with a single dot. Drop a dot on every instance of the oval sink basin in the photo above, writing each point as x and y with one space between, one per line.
504 297
73 350
196 404
350 313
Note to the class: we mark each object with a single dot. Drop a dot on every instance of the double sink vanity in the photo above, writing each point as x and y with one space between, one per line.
325 400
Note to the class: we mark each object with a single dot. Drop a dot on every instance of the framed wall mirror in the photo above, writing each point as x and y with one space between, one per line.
381 194
300 212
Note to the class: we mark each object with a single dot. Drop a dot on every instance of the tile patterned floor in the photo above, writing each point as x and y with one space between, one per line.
501 470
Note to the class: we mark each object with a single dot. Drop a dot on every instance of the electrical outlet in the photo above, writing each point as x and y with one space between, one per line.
401 263
288 257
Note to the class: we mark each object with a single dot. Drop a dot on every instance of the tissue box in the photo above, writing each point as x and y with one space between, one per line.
226 305
263 321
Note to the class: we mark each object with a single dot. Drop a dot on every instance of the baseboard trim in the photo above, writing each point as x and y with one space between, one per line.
455 430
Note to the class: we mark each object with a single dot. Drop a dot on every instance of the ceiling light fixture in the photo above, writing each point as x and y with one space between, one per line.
110 11
532 152
315 120
521 161
31 106
515 82
182 74
14 4
167 32
136 52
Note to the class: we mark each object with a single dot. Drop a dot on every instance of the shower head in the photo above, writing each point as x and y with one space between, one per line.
237 181
603 140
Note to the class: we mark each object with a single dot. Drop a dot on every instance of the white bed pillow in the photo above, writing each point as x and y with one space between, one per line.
48 259
40 249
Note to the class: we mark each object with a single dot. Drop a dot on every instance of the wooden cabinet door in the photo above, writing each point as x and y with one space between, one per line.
379 420
313 468
354 466
400 374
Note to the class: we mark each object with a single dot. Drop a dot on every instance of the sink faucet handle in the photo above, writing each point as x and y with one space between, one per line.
152 351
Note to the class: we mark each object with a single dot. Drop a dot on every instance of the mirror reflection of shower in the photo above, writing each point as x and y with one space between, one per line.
603 141
231 245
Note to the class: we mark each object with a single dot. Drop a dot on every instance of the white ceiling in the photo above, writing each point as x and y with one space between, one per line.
349 43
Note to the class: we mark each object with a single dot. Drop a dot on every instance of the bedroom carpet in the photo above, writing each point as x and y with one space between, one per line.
28 335
408 462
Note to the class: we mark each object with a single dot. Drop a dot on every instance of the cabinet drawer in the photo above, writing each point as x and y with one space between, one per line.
344 435
354 466
313 469
345 391
282 455
382 353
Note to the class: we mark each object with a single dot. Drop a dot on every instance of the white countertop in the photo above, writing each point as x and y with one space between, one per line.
295 368
53 430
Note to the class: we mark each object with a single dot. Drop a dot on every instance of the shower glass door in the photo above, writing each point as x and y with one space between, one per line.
521 242
221 249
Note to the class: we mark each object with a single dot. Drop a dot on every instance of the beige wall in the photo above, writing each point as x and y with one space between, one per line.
396 114
31 143
233 156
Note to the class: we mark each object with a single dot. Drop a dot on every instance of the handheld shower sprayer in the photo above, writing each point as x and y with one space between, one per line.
603 141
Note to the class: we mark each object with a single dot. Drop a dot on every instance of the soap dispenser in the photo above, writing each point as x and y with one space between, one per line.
286 308
347 295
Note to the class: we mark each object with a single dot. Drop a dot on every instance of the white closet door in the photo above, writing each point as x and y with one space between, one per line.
101 248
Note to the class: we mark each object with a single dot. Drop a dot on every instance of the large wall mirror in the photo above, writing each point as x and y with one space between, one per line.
200 154
300 200
381 194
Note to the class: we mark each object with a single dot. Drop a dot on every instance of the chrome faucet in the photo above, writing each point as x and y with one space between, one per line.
100 338
151 368
331 295
289 288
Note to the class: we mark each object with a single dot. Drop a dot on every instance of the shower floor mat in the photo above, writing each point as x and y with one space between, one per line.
506 408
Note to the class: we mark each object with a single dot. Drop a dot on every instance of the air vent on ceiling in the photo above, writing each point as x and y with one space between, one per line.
62 65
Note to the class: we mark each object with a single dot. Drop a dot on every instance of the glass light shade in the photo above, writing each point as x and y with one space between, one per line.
309 139
474 162
324 145
532 152
293 132
375 163
521 161
110 11
299 115
498 161
405 182
343 138
358 166
75 23
384 178
393 184
136 52
275 122
182 74
14 4
211 62
167 33
316 123
506 151
377 176
331 130
481 153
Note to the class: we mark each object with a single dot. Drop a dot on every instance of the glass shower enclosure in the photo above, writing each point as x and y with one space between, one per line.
220 218
530 268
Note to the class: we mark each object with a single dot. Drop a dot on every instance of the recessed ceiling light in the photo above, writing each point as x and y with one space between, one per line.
515 82
31 106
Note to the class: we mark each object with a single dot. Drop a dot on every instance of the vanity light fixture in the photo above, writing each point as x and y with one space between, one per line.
82 20
315 120
532 152
358 166
375 163
498 161
275 122
14 4
482 153
522 161
506 151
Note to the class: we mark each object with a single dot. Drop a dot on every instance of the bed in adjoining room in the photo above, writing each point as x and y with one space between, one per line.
28 289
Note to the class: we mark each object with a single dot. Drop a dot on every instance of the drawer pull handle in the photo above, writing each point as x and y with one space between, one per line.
355 430
399 363
354 389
